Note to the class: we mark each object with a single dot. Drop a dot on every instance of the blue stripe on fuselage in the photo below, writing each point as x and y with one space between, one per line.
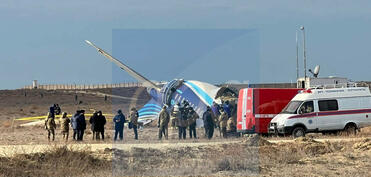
201 93
191 97
154 105
179 91
147 113
149 108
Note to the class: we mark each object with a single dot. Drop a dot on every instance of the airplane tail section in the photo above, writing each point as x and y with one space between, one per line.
133 73
149 111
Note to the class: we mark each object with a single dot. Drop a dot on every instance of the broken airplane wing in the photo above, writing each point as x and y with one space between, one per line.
139 77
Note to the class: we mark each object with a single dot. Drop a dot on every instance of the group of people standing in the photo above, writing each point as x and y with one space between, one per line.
221 117
97 121
181 117
227 116
119 121
50 124
77 123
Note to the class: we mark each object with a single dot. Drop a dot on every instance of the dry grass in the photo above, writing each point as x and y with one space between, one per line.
58 161
365 131
306 157
253 156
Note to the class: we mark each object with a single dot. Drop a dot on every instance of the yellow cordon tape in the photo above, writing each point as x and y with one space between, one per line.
56 116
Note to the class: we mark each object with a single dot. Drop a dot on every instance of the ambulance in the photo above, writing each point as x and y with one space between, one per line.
324 110
257 107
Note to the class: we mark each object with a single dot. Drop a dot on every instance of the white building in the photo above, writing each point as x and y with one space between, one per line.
323 82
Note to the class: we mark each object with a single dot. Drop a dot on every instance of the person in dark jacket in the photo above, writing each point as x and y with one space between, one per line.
182 123
93 123
81 125
119 121
205 122
227 108
100 122
215 108
208 123
74 124
57 109
52 110
192 117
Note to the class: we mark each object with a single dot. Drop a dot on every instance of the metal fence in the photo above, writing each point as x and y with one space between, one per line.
84 86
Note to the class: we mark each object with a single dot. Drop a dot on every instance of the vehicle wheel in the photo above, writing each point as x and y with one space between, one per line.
298 132
350 129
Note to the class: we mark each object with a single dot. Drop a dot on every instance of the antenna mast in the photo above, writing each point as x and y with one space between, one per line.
297 57
304 53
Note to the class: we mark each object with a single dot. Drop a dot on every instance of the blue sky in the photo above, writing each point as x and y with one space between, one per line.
208 55
44 40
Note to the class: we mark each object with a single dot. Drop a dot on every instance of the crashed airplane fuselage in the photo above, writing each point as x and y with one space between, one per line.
198 94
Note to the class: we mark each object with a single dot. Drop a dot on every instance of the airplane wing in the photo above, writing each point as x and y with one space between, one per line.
133 73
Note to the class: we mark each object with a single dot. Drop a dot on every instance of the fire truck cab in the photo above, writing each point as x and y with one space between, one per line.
257 106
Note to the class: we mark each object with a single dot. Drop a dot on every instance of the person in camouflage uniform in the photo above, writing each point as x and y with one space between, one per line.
163 121
173 118
133 118
223 119
65 125
193 116
182 123
209 123
231 126
50 125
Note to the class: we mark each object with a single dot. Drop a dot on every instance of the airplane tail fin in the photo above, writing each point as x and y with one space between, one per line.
146 82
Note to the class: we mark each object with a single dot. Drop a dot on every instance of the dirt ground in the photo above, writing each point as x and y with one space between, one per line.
235 156
28 103
246 156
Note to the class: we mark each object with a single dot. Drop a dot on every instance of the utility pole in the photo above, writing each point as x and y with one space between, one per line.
304 54
297 57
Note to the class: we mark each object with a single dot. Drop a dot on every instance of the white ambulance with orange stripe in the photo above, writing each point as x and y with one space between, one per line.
324 110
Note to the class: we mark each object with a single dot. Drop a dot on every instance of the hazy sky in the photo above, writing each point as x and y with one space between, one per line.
210 55
44 40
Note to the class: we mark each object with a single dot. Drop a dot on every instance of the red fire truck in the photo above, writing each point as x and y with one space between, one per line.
257 107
